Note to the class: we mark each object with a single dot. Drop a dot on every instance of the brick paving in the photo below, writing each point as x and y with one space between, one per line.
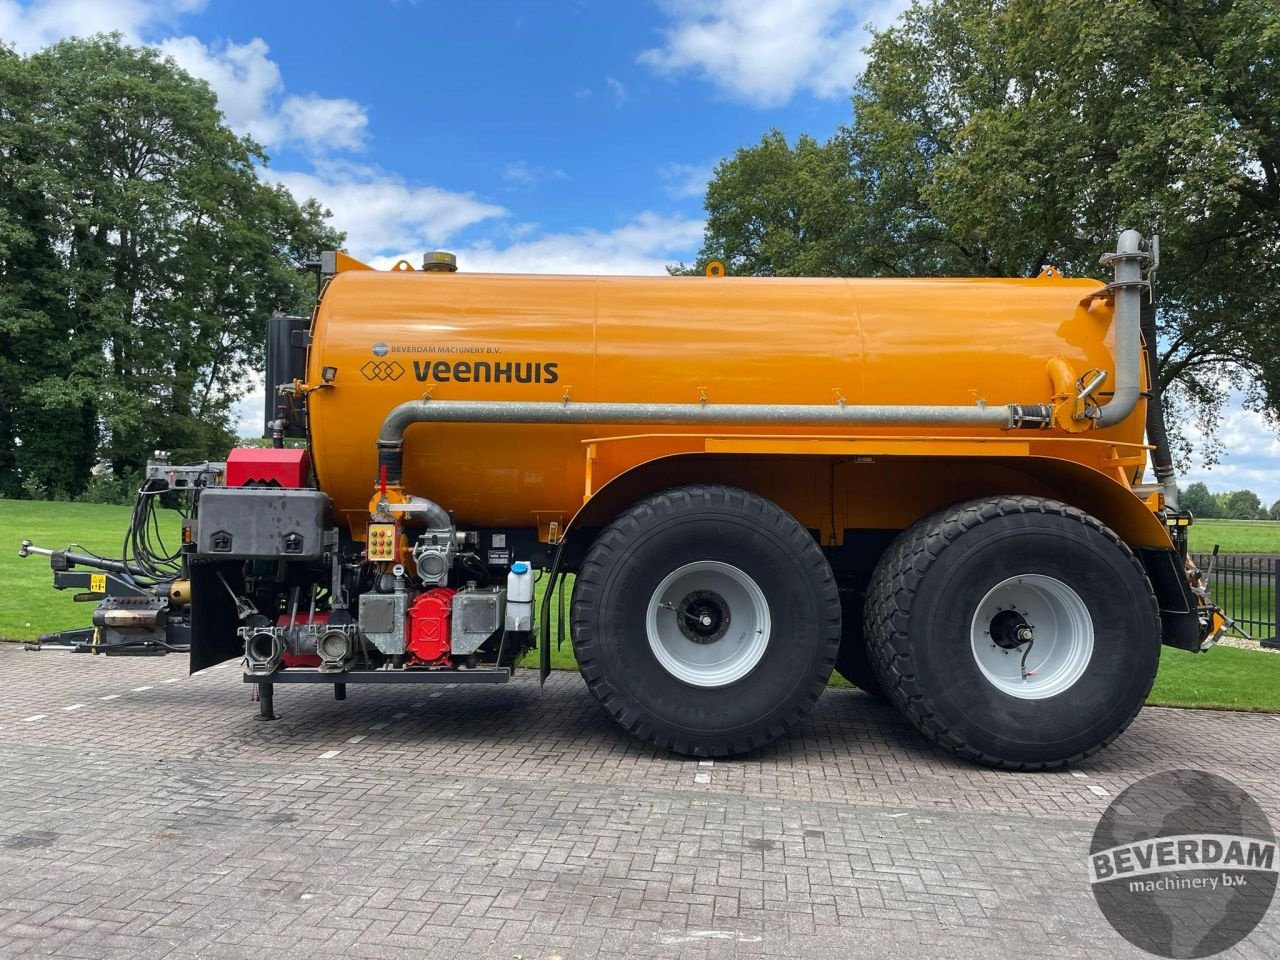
159 819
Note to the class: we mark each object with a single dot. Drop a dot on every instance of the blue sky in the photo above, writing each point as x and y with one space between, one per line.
571 136
541 136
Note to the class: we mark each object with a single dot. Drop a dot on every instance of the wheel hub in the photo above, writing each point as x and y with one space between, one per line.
1010 630
1032 636
708 623
703 616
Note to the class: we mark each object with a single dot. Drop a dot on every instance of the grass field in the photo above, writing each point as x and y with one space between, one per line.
29 605
1236 536
1225 678
1247 598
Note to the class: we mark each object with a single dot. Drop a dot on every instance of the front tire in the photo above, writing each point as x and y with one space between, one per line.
1015 631
706 620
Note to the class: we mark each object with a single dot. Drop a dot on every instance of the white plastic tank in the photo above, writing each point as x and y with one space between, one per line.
520 597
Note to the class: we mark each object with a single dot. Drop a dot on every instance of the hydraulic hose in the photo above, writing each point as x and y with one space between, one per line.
1157 433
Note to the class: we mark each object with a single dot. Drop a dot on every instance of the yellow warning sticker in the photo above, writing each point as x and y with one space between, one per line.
97 583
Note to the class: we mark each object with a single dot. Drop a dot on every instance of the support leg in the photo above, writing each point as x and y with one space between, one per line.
266 701
339 691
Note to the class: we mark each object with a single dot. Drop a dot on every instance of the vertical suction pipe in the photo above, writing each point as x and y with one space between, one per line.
1128 289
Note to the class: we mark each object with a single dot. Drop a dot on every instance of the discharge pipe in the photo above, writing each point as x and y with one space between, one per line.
391 438
1129 288
1129 260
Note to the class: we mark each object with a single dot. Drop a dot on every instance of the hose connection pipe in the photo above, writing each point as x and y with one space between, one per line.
1033 416
1131 285
1129 260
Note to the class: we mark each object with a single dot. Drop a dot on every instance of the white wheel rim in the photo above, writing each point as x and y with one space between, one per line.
719 605
1062 630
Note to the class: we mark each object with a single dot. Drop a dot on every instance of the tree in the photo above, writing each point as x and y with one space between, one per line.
784 211
140 256
993 137
1199 501
1242 505
1274 513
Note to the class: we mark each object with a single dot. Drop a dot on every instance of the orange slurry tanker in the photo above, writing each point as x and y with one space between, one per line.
935 487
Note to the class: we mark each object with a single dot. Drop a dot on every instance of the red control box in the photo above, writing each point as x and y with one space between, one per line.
268 467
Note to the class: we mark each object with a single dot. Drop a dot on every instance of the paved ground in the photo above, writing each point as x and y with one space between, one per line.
147 815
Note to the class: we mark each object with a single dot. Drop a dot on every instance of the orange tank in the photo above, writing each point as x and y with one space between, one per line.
400 335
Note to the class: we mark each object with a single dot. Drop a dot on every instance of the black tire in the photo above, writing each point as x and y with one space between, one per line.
631 558
853 662
922 601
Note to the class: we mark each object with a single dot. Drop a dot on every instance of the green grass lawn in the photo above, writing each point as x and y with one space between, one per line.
1236 536
1224 678
29 605
1249 598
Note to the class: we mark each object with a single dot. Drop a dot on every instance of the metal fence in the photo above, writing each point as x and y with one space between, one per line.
1244 585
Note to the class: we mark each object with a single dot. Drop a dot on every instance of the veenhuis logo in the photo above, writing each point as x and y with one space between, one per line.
382 370
484 371
1183 864
494 370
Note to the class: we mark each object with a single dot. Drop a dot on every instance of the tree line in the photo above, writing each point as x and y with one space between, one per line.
1235 505
997 137
140 257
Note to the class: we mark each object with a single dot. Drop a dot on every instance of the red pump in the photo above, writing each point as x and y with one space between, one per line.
430 628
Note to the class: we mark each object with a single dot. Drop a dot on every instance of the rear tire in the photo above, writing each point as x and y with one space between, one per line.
944 607
706 620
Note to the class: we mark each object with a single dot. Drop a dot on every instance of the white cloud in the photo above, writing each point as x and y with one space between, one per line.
30 26
320 124
645 245
685 180
250 89
245 79
251 95
519 172
1250 459
248 414
619 90
764 51
382 213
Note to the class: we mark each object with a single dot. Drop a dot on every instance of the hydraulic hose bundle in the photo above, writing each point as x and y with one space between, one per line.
144 551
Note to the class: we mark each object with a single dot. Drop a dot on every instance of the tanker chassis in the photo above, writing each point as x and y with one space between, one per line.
934 487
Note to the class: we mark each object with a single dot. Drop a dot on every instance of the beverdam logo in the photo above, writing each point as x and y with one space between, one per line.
1183 864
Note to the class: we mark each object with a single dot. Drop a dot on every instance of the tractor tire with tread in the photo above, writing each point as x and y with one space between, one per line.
924 595
618 580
